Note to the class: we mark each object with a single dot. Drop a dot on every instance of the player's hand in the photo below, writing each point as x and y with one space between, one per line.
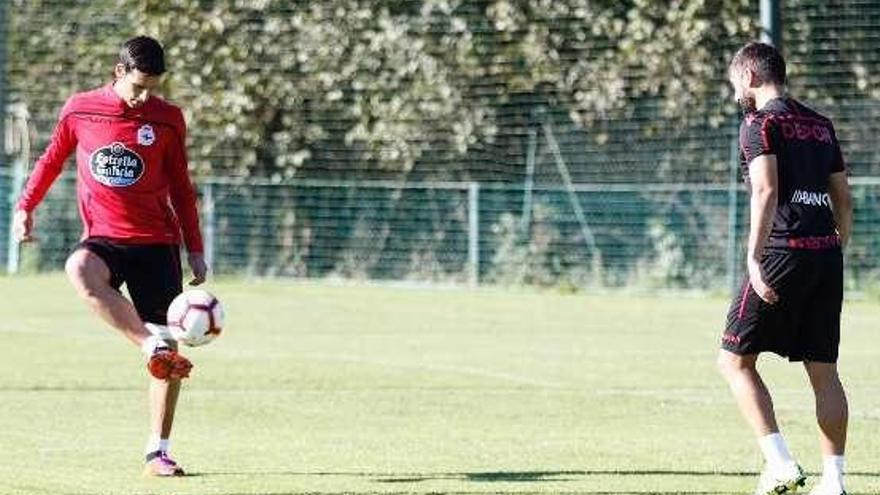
756 278
23 226
199 268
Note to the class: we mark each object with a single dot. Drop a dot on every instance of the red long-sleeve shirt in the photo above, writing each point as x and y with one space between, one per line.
133 185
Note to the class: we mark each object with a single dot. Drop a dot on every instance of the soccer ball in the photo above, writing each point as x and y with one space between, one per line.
195 317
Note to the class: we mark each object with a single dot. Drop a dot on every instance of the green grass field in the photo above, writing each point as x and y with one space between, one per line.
320 389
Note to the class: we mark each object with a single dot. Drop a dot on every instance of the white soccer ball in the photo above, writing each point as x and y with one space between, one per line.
195 317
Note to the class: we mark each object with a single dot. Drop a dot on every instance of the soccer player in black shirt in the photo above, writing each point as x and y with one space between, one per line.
790 301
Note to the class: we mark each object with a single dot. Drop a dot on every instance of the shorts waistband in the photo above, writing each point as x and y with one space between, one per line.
814 243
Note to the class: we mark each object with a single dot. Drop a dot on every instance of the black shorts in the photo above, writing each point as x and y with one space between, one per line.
805 323
151 273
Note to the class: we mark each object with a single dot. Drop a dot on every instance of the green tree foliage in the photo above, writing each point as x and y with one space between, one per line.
412 90
56 47
833 52
341 87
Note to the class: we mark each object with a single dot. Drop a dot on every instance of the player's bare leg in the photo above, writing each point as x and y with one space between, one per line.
832 415
782 474
748 388
163 393
831 406
90 277
163 403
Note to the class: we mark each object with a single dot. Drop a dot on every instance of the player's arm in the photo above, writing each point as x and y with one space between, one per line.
183 199
838 191
45 171
841 205
764 182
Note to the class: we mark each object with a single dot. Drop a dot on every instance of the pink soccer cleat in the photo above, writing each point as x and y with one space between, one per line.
160 464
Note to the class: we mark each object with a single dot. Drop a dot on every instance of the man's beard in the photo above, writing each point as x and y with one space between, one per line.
748 104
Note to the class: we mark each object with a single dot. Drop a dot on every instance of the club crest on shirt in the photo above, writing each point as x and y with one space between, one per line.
116 166
146 135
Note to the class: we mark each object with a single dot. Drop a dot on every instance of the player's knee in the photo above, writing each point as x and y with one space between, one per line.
823 375
730 364
77 269
723 364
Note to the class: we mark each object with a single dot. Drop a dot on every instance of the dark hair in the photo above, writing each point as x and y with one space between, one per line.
144 54
762 59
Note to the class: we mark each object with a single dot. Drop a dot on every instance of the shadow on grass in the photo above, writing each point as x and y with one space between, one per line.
578 492
501 475
538 476
516 477
508 476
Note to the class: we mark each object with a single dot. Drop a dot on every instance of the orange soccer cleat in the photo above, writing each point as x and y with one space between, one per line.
167 364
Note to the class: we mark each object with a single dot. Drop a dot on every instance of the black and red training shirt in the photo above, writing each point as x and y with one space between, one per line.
807 153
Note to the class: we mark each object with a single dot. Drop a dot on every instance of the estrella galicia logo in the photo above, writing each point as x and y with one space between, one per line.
116 166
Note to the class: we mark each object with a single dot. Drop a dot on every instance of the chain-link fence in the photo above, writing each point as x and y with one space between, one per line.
636 235
566 142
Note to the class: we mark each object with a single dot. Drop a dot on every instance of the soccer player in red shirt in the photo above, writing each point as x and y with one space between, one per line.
790 302
137 203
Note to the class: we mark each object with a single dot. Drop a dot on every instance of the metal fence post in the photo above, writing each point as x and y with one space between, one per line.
474 233
13 250
526 219
12 247
210 222
771 23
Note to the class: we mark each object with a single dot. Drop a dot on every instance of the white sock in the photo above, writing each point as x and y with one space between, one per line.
151 344
155 443
152 444
832 471
160 331
775 450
